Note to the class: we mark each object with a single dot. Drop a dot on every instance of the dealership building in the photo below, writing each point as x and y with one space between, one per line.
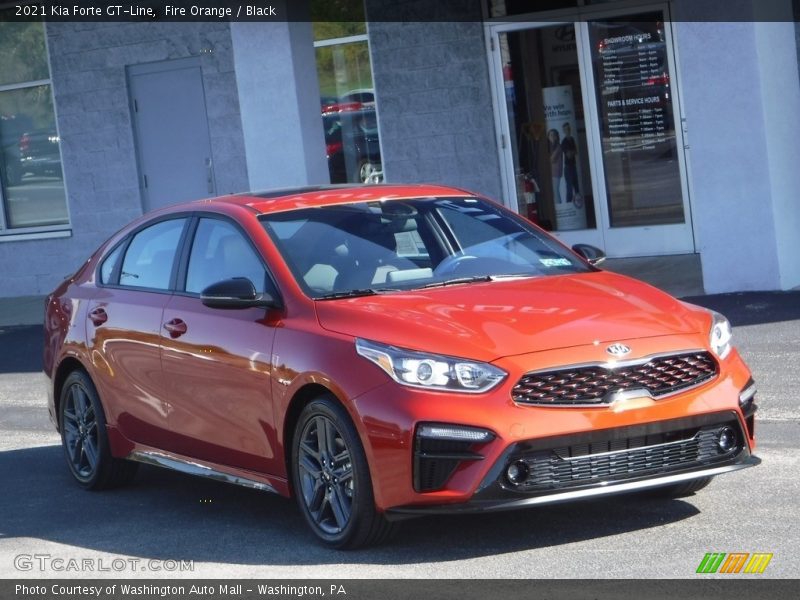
643 128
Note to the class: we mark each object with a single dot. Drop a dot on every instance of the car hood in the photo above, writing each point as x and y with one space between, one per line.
487 321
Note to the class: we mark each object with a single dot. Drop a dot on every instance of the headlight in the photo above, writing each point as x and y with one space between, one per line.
431 371
720 336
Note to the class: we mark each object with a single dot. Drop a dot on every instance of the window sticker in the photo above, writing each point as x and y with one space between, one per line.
555 262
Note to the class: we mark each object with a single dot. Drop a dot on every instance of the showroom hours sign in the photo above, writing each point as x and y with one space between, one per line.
633 81
637 121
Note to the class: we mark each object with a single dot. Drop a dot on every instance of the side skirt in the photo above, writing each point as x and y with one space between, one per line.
210 471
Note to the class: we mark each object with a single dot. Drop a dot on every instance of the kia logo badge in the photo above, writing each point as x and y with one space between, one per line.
618 350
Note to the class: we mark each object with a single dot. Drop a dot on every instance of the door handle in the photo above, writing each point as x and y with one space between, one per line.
176 328
98 316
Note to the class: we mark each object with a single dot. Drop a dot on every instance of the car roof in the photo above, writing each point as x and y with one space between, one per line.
280 200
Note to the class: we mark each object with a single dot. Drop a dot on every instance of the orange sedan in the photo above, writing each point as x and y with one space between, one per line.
381 352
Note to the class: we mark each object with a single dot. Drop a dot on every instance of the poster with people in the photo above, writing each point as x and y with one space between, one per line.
559 112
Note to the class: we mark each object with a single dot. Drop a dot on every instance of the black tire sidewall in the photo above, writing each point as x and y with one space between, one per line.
103 453
362 506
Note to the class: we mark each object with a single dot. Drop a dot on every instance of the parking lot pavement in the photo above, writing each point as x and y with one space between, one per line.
225 531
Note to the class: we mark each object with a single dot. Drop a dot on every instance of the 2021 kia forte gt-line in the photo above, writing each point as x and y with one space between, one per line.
385 351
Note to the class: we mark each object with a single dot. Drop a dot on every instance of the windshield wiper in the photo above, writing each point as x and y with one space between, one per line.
456 281
354 293
476 279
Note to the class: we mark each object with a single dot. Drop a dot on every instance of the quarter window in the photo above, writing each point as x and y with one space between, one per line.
220 251
151 254
107 269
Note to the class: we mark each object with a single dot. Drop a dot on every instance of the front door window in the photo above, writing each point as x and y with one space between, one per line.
220 251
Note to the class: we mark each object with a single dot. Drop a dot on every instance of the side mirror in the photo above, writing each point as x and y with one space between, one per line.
238 292
591 253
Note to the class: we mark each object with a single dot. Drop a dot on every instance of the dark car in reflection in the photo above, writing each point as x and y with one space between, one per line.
39 153
352 146
27 151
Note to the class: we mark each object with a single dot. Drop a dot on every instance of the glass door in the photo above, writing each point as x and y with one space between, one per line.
645 208
547 163
588 116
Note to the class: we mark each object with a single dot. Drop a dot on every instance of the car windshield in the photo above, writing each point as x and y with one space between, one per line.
383 246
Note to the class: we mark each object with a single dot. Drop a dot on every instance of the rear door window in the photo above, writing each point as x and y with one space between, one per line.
151 254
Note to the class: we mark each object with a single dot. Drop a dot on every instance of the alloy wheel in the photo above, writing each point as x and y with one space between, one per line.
326 475
80 432
366 171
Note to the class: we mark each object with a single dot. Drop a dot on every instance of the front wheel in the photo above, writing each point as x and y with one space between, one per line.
331 478
84 437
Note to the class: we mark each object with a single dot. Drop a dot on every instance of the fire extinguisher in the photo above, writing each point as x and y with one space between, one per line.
530 189
508 82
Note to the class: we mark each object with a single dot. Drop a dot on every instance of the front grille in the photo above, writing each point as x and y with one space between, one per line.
616 458
597 384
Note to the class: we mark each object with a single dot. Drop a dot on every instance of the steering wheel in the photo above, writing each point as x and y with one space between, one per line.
453 263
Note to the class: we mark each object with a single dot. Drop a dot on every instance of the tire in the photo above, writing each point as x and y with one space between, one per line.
84 437
331 478
686 488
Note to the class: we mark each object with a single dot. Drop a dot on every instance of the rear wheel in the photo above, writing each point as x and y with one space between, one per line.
84 437
686 488
331 478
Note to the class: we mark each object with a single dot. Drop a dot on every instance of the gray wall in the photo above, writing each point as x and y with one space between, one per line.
276 75
99 163
741 101
434 102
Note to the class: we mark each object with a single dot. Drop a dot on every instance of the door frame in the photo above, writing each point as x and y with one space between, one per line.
618 241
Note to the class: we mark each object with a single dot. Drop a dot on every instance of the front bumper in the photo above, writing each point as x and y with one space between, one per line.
388 417
478 505
574 467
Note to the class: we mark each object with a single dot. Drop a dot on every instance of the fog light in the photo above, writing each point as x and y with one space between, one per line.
726 439
517 472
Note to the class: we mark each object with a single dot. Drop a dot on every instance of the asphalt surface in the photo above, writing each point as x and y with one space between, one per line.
234 532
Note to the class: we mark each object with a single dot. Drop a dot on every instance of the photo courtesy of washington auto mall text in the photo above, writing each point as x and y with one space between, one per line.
213 589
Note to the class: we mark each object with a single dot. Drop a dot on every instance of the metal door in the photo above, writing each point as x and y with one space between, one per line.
173 148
